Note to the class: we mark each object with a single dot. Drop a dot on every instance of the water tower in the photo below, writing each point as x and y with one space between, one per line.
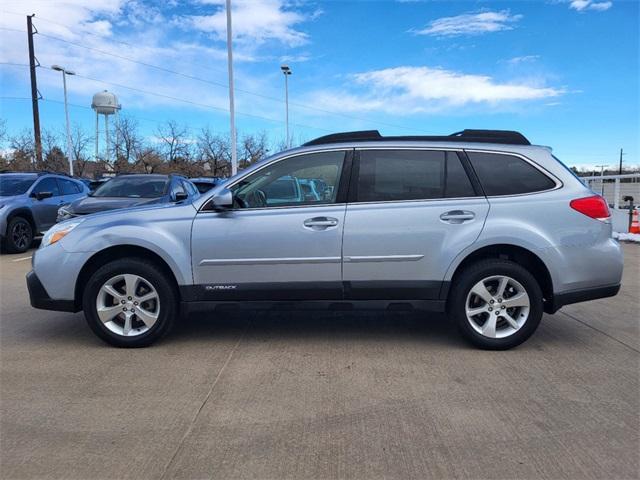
105 103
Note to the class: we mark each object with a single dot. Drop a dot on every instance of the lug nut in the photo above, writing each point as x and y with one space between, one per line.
492 302
499 300
497 312
135 303
124 309
503 307
123 302
129 298
490 309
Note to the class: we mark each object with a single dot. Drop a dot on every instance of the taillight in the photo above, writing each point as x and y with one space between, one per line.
594 207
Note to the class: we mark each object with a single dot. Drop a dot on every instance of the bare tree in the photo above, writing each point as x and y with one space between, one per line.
148 160
22 155
127 144
174 142
253 148
80 143
213 153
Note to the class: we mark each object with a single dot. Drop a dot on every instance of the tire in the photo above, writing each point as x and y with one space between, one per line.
19 235
519 315
121 286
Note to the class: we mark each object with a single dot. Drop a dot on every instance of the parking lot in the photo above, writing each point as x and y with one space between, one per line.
320 395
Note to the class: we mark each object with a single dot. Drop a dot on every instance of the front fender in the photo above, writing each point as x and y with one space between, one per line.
165 232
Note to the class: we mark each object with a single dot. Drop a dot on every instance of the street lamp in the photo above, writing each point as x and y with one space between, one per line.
66 72
602 167
232 108
286 71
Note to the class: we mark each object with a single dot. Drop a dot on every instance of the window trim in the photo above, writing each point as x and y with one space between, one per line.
340 196
355 172
544 171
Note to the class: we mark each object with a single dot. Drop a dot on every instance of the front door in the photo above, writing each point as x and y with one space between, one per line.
280 241
410 213
45 211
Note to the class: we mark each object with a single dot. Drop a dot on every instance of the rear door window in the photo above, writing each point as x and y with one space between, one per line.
396 175
68 187
502 174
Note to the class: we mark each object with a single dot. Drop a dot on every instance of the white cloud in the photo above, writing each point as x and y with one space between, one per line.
583 5
138 31
523 59
471 24
253 22
412 90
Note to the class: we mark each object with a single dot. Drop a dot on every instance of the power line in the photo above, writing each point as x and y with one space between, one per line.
217 84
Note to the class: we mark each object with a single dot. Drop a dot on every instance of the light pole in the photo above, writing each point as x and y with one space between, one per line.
234 153
66 72
286 71
602 167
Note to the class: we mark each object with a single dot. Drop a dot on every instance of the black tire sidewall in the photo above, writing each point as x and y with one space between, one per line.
483 269
159 280
10 246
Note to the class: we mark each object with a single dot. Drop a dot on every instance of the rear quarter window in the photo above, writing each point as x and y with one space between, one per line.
503 174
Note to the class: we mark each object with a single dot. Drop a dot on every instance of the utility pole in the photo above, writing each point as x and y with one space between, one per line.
620 168
34 90
234 153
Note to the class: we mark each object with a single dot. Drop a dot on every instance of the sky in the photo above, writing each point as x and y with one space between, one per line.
563 72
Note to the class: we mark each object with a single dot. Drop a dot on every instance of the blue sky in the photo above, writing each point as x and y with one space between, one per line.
563 72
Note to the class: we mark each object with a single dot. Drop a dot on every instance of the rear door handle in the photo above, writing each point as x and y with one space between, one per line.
457 216
320 223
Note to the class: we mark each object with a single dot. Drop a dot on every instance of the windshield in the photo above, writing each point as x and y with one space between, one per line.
15 184
132 187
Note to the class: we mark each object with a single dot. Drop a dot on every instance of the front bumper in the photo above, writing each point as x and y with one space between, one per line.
39 297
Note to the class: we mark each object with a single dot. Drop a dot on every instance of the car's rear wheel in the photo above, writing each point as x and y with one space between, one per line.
497 304
19 235
130 303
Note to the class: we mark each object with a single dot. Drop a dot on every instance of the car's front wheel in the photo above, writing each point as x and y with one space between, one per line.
19 235
496 303
130 302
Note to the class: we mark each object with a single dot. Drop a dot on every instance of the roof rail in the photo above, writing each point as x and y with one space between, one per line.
37 172
507 137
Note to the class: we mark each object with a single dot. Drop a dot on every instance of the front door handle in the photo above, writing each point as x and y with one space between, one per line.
320 223
457 216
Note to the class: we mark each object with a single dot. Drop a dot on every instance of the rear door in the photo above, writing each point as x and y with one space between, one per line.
410 212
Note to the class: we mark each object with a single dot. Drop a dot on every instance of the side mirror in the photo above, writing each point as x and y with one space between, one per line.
42 195
222 200
180 196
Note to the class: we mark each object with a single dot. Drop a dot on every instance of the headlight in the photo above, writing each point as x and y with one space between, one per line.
58 232
63 213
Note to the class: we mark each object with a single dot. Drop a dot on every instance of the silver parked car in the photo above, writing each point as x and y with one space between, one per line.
480 224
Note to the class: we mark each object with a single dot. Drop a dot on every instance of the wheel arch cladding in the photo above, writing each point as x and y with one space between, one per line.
115 253
24 213
520 255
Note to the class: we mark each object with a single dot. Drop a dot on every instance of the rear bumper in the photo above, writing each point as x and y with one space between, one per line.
39 297
583 295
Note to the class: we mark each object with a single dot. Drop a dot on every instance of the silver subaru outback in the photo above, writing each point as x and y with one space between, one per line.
480 224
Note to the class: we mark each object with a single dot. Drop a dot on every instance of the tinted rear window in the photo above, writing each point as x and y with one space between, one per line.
393 175
508 175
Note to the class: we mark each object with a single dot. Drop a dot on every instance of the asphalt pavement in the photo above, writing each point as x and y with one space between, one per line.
324 395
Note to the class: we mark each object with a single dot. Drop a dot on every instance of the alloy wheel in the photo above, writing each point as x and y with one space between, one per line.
128 305
21 235
497 306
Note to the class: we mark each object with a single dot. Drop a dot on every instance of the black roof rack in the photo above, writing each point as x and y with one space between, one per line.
508 137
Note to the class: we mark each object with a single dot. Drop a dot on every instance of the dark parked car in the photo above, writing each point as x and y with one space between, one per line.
29 203
94 184
204 184
126 191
